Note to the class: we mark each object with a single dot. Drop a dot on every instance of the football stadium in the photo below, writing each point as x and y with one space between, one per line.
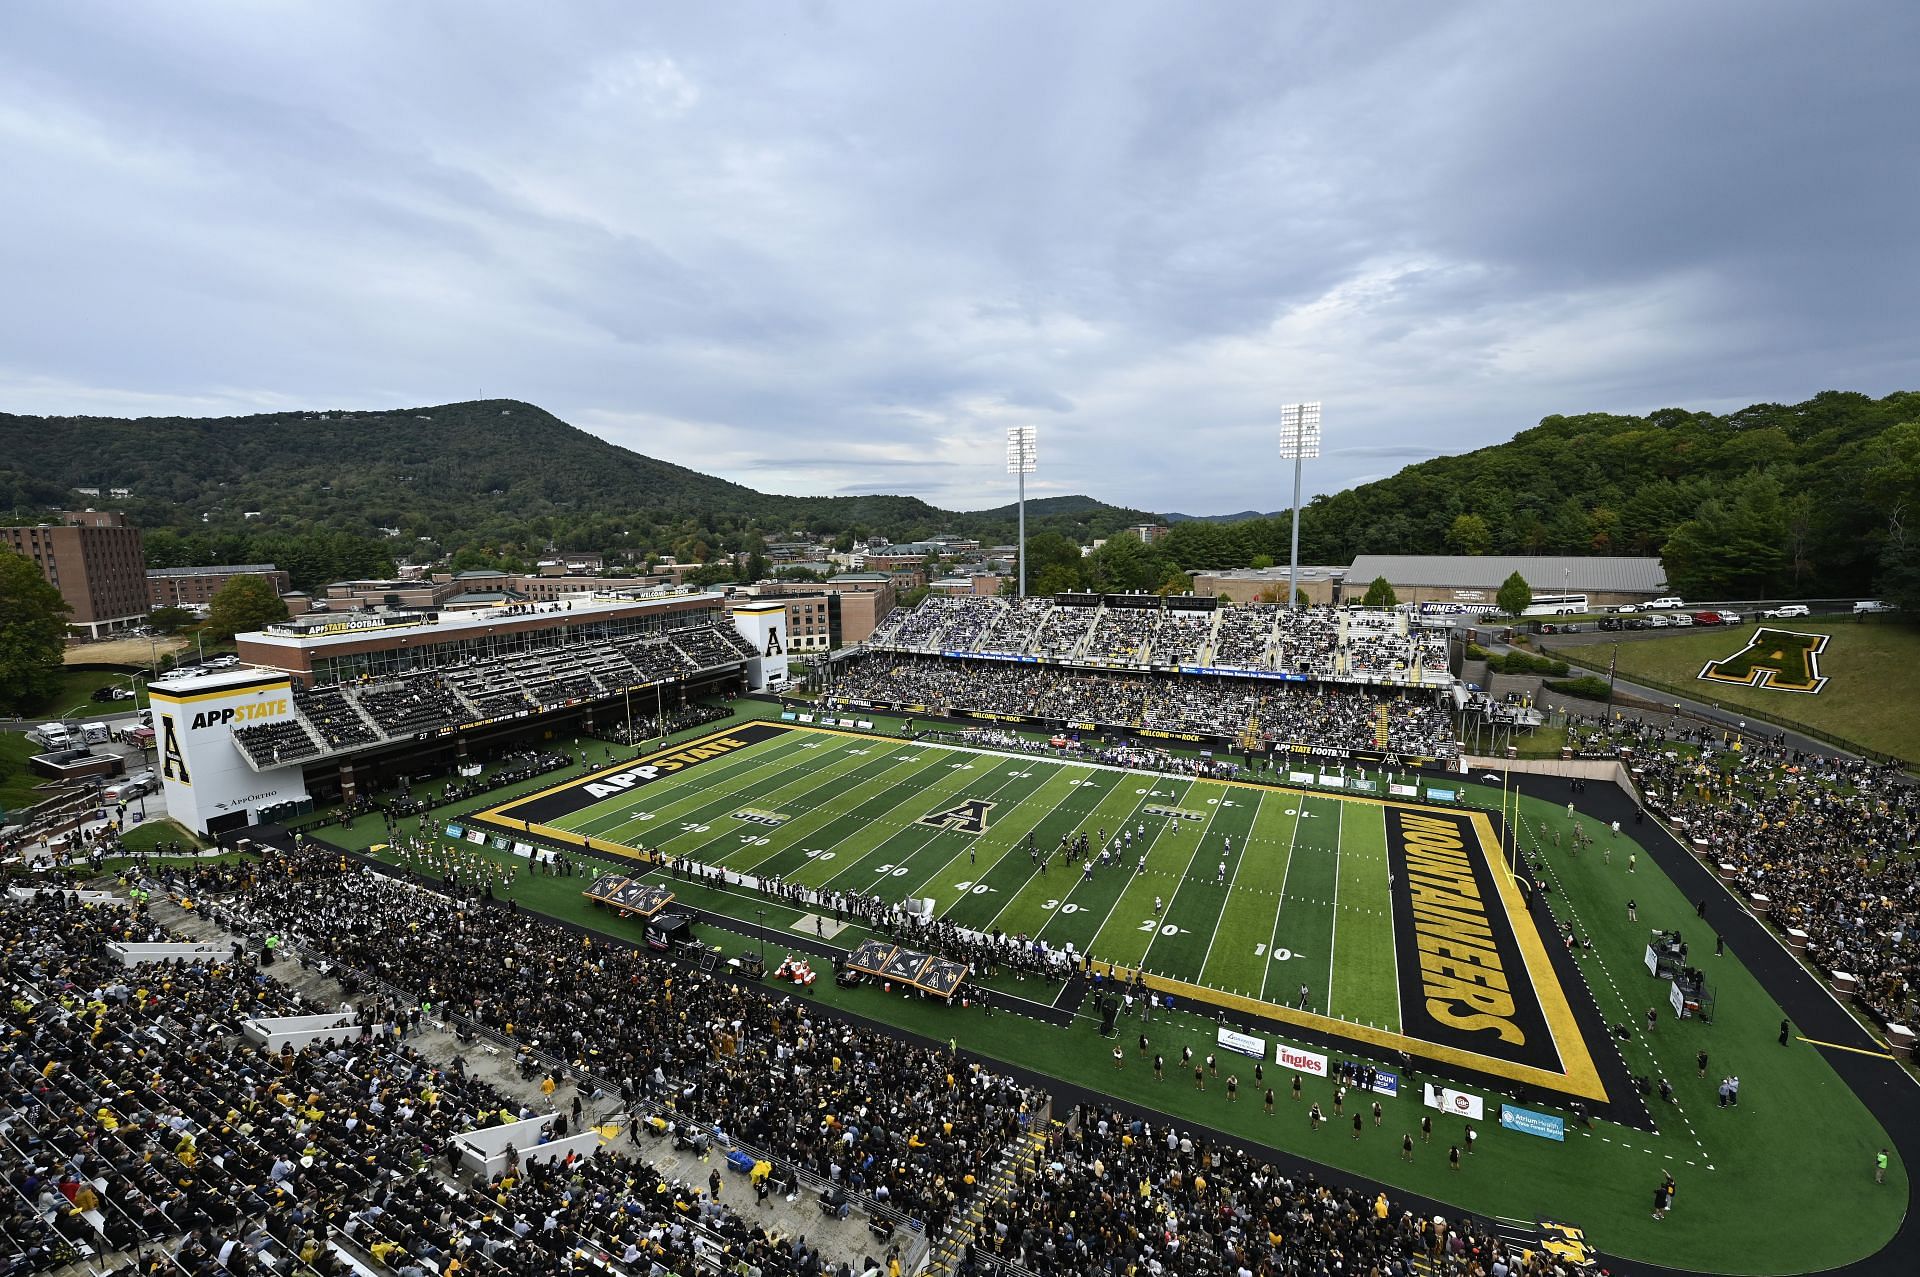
672 964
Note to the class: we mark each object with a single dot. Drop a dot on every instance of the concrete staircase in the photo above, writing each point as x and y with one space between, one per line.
1014 1169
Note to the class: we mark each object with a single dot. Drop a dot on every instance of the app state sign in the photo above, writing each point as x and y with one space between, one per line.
1777 659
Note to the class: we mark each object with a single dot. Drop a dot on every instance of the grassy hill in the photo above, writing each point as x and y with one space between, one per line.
1868 668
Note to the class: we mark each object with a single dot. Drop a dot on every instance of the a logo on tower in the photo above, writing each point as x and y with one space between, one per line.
173 764
773 641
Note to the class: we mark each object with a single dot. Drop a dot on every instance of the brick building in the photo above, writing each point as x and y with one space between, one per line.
195 587
851 604
94 558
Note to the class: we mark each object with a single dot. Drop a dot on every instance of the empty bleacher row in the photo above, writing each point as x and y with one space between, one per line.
1318 642
377 708
285 740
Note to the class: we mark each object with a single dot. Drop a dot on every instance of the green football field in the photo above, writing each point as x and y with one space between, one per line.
1744 1172
853 814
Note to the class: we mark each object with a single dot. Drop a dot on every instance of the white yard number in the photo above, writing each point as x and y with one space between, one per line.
751 841
819 855
1069 907
1164 928
972 888
695 829
898 871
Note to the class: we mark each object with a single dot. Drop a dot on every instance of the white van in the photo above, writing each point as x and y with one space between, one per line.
96 733
51 735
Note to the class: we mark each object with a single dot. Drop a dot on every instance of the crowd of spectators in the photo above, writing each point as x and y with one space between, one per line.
1123 634
1320 642
1116 1193
1327 716
139 1119
1829 841
904 1124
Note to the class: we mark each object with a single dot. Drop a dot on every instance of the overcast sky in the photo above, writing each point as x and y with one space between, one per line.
826 248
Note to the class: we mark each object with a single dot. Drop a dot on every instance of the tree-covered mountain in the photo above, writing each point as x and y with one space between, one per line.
1811 498
494 481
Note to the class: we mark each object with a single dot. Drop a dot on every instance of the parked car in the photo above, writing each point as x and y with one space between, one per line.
1729 618
1637 623
1786 610
1658 621
222 662
1624 609
1865 606
1670 601
1707 618
114 693
1680 618
1612 623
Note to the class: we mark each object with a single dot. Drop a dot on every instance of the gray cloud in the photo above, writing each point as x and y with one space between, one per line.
844 250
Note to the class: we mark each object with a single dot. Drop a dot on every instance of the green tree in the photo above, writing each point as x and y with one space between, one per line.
1735 545
1260 562
242 604
171 620
1380 594
1469 534
1515 595
33 633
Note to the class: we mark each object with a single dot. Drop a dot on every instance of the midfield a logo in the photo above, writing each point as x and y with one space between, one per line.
970 817
1778 659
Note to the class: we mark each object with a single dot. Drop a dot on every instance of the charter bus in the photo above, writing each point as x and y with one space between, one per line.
1557 605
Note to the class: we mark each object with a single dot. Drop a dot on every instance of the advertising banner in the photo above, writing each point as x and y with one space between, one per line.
1242 1043
1526 1121
1458 1103
1653 961
1300 1061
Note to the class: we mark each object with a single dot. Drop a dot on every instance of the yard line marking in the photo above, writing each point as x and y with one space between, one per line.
1273 932
1333 933
1228 898
1197 848
1145 851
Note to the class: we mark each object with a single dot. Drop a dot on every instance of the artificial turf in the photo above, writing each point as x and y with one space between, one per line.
1779 1184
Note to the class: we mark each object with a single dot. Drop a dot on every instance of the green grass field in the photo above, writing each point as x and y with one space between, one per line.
1249 891
1856 704
1745 1175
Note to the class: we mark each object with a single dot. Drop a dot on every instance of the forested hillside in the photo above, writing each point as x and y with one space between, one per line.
1811 498
494 482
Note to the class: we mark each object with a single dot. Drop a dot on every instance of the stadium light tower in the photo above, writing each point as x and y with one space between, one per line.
1299 440
1020 458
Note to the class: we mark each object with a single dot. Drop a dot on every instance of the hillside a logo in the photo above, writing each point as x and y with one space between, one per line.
970 817
1778 659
